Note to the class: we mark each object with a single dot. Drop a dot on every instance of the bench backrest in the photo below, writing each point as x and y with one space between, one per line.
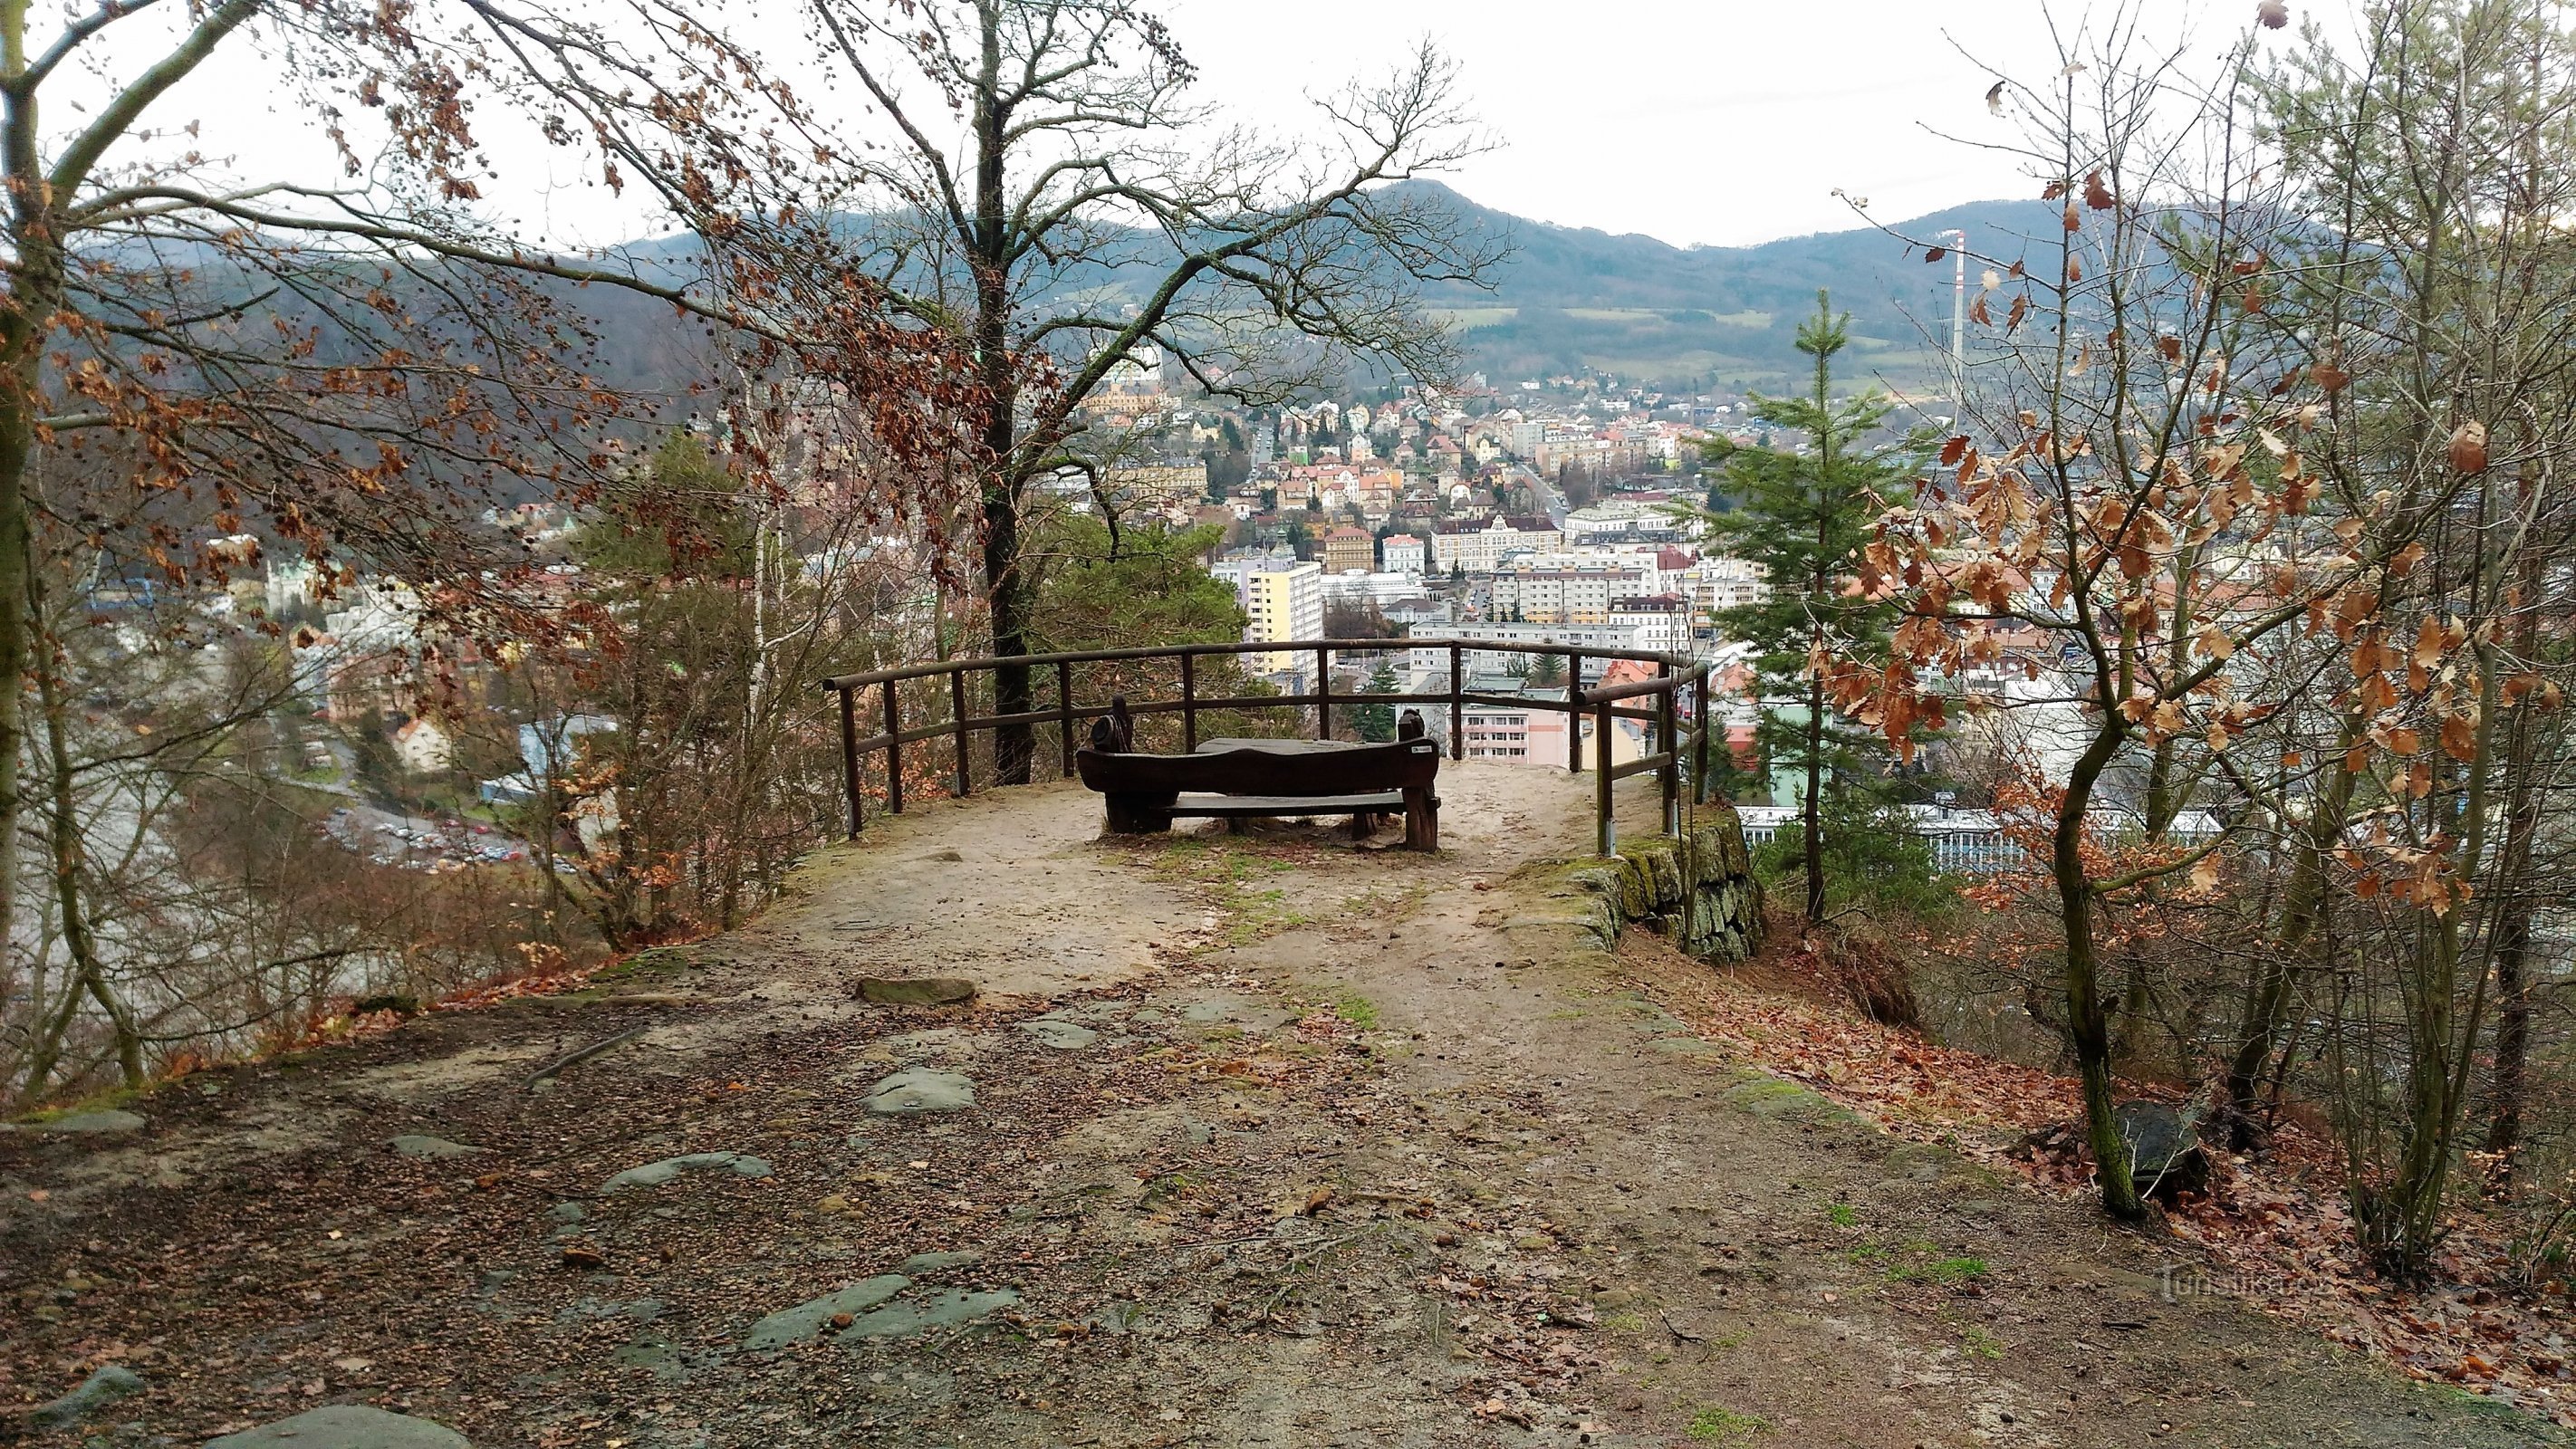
1403 765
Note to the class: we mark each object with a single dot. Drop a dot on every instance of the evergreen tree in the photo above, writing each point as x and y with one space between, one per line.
1376 722
1804 517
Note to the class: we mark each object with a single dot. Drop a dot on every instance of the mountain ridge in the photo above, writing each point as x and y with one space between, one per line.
1571 298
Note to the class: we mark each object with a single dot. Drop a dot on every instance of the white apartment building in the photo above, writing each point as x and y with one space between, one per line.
1617 519
1662 621
1478 550
1404 553
1382 588
1567 591
1435 659
1719 582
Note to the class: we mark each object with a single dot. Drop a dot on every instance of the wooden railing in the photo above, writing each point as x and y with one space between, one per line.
1680 753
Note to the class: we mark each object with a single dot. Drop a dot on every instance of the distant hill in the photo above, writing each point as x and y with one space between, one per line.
1572 297
1568 298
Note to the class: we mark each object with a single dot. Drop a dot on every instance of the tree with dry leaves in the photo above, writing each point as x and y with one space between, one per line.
2130 521
353 361
2447 291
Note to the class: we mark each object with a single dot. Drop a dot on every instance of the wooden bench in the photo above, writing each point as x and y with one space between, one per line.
1269 779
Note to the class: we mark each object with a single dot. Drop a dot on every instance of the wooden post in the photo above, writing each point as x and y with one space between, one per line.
957 698
850 756
1457 703
1574 712
1699 766
1670 747
1323 694
1605 826
1189 703
894 752
1064 718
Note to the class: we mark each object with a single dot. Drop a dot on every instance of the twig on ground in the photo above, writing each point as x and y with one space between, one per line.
548 1072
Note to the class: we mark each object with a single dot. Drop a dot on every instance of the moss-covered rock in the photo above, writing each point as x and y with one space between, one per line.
1697 890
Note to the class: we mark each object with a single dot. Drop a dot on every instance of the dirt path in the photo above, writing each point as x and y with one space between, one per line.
1274 1142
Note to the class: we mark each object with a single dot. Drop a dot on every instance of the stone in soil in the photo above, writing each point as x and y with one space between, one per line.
1219 1010
1059 1033
920 1263
654 1174
100 1389
808 1320
108 1121
905 1317
916 991
345 1426
412 1144
921 1089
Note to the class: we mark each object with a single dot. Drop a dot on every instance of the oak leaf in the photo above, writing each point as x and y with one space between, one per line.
2469 447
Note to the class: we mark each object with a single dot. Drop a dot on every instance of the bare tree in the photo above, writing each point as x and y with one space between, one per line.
1052 198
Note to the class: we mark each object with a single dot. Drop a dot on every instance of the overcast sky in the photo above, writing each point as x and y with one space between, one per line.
1695 121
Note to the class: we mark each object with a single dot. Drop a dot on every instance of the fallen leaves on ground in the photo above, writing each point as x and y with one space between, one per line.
2275 1232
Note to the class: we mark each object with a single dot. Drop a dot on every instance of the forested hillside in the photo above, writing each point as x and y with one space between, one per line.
1575 297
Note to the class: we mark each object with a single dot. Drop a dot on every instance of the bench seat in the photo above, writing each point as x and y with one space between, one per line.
1252 780
1256 807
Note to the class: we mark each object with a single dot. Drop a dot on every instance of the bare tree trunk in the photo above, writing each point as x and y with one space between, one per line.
2516 897
1006 584
2267 997
64 838
2087 1024
1813 812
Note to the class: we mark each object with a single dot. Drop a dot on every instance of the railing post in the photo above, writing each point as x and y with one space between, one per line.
1457 703
1699 765
1670 747
1189 703
1323 694
1064 718
894 751
850 756
1605 824
957 705
1574 713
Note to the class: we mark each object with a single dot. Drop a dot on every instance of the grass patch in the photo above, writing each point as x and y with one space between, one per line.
658 961
1980 1344
1624 1322
1843 1214
1716 1425
1946 1271
1356 1009
1255 914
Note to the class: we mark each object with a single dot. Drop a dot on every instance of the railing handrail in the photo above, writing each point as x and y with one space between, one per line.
930 668
1674 672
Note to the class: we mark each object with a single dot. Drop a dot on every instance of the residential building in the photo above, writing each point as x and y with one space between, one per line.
1282 599
1381 589
1479 550
1618 520
1349 550
1661 621
1719 582
1580 636
1566 591
1404 553
1160 483
422 748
